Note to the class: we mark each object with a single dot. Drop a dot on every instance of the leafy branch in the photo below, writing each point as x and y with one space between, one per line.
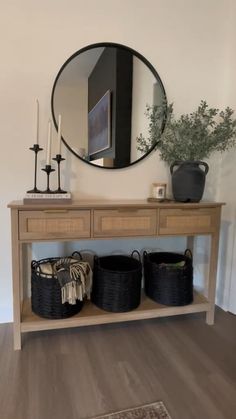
192 136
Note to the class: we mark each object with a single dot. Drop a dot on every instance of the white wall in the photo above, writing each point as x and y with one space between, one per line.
226 291
72 103
189 43
71 98
142 95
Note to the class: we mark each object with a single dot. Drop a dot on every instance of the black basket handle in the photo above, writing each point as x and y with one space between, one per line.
34 264
77 255
137 253
188 254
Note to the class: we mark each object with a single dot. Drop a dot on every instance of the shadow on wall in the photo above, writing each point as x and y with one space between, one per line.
212 178
201 262
68 175
225 264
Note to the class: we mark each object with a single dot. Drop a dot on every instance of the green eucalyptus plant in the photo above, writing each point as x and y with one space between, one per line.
192 136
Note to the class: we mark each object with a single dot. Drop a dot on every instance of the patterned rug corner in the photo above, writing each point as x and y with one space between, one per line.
155 410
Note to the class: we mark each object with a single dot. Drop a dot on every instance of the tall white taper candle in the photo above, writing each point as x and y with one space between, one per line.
59 134
37 122
49 144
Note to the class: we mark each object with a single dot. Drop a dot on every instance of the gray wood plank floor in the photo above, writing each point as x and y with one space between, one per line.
80 373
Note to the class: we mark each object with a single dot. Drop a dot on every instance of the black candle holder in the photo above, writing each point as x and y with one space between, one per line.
36 149
48 169
59 159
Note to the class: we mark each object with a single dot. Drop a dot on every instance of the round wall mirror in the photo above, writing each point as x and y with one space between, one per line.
102 93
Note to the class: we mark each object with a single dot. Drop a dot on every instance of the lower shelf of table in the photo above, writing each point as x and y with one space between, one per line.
91 315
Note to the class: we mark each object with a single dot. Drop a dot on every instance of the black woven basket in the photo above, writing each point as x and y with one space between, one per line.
117 283
46 294
166 284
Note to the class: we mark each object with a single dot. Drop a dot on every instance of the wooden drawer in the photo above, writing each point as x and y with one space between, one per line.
125 222
54 224
187 221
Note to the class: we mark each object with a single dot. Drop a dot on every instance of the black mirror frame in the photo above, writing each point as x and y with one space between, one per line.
115 45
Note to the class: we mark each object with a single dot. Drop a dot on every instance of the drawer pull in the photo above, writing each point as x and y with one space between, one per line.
56 211
190 209
128 210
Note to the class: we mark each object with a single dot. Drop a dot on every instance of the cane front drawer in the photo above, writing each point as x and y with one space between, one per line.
125 222
187 221
54 224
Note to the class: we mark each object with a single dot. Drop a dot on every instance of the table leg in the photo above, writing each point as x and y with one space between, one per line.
16 280
213 270
190 243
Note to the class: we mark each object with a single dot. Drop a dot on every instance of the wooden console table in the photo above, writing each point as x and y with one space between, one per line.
101 220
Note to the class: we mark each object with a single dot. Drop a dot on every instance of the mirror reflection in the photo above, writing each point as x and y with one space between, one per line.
102 93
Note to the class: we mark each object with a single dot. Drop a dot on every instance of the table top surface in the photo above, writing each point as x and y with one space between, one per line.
105 203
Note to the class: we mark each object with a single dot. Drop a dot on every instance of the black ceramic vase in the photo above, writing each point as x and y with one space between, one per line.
188 180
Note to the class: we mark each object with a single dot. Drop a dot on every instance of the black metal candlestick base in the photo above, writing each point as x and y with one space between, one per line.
48 169
36 149
59 159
